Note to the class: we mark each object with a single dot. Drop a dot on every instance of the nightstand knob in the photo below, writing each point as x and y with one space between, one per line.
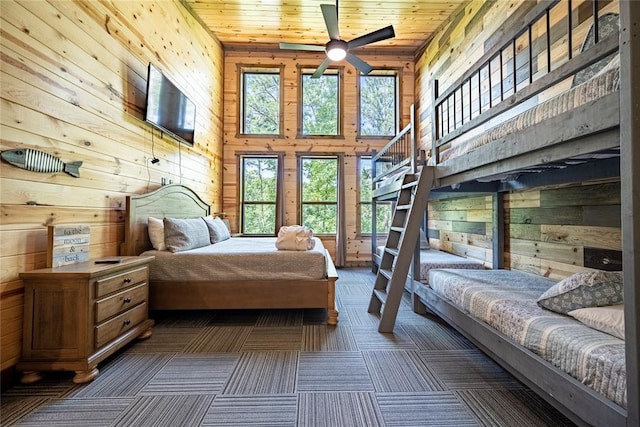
127 300
127 280
127 322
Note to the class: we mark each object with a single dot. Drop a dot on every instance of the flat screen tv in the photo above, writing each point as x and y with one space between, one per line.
168 108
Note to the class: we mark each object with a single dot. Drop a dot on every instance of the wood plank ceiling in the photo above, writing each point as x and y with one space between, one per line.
265 23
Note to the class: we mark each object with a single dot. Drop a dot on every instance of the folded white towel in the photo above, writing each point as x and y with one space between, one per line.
295 238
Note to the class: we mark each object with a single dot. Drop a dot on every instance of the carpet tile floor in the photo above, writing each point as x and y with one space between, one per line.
288 368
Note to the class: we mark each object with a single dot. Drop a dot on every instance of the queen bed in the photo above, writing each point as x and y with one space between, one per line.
238 273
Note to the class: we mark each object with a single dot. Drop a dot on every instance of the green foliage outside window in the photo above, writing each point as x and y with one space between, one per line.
261 103
383 209
320 105
259 191
320 194
378 105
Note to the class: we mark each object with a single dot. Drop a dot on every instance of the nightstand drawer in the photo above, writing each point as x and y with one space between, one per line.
110 284
120 324
120 302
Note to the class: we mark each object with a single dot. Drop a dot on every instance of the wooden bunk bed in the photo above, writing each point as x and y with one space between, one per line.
504 136
177 201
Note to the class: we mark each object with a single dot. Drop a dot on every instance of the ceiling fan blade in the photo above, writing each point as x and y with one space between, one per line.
320 70
330 14
362 66
297 46
375 36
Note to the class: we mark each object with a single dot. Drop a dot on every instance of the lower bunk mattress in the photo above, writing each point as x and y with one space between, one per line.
433 258
506 301
240 258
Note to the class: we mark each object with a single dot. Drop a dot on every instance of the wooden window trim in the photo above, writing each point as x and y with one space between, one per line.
339 71
241 69
398 116
279 203
306 155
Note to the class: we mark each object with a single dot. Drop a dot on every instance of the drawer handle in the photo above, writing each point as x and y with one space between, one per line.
127 280
126 322
127 300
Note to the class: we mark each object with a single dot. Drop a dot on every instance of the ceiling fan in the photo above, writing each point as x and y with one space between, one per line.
338 49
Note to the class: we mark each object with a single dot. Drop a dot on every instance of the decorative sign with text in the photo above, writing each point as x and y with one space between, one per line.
68 244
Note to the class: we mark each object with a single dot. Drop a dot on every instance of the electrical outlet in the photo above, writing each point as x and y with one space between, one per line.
163 181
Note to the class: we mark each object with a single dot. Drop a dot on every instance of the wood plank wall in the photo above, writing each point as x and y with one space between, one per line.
73 84
461 42
462 226
358 247
555 232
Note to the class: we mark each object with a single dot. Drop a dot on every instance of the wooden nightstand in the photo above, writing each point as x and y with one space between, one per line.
77 315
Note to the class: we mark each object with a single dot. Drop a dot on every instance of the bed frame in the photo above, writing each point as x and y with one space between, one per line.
178 201
575 400
582 144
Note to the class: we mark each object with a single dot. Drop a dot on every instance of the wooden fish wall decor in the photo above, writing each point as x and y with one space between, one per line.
39 161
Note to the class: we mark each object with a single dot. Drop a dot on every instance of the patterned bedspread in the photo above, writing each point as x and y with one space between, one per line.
239 258
506 300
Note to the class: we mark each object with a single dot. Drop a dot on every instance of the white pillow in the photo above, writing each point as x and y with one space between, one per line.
608 319
156 233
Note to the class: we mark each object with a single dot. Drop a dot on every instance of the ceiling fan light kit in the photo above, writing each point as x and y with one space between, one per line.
338 49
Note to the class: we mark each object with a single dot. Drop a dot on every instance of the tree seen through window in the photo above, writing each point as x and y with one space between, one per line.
378 104
259 194
383 209
320 105
261 102
319 194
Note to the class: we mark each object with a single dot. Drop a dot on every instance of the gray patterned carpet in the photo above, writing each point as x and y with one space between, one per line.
288 368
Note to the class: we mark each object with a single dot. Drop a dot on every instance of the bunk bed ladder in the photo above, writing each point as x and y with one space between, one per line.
400 246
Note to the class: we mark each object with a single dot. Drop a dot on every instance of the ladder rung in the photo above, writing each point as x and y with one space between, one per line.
403 207
381 295
396 229
385 273
409 185
392 251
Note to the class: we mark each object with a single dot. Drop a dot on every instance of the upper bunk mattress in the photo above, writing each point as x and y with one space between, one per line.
239 258
605 82
506 300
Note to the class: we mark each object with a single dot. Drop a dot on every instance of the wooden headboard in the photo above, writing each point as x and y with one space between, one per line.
175 201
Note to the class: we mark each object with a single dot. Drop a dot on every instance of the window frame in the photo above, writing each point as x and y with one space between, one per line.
243 69
396 73
306 71
300 205
279 202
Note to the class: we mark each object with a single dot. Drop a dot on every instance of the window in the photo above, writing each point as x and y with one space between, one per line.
260 193
378 104
318 178
383 209
320 104
260 106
